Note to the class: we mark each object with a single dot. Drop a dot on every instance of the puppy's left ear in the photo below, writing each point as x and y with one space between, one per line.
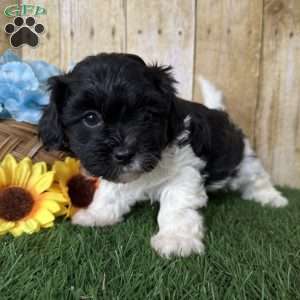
50 126
163 79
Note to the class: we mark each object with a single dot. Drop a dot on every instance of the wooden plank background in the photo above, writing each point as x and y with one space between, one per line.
4 41
249 48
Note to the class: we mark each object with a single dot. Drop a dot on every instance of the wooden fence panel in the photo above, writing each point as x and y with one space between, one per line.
278 113
48 48
4 39
228 45
90 27
77 28
163 31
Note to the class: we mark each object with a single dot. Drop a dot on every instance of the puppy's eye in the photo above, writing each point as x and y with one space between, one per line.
91 119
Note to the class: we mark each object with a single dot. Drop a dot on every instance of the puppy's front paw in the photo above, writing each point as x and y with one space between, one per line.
167 245
277 201
83 218
270 198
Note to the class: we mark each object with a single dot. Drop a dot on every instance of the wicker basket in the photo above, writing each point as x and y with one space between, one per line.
21 139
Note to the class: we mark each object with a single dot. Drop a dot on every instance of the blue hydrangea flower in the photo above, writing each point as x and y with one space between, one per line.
19 75
22 87
9 56
43 70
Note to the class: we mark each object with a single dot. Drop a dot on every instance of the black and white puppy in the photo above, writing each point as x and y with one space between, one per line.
122 119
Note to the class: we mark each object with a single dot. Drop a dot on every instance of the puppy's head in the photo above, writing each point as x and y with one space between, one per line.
113 112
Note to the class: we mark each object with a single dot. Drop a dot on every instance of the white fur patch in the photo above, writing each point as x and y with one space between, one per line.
177 184
212 97
172 244
254 182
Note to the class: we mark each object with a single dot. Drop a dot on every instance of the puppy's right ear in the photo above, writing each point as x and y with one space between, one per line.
50 126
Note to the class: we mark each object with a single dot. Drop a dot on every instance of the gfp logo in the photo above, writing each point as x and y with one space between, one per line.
24 30
24 10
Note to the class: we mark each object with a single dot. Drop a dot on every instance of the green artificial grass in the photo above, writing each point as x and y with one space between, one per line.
252 252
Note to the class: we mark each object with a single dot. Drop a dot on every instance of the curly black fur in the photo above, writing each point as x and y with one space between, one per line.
138 112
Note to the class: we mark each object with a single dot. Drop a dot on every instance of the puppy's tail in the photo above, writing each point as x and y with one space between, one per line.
212 97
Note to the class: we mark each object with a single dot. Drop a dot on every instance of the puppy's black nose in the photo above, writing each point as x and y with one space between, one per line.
123 155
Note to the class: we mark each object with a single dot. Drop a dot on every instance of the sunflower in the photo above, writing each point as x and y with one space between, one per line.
76 188
26 203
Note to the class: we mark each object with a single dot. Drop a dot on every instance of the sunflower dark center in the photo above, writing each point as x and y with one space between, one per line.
15 203
81 190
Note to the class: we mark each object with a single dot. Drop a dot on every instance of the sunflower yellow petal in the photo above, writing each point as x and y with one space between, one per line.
48 225
23 172
44 182
9 165
62 172
43 216
55 196
31 226
55 188
63 211
9 160
51 205
73 165
17 230
6 226
38 169
26 160
3 178
64 190
70 211
41 166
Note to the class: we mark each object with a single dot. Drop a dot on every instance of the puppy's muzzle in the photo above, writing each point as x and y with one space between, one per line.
123 156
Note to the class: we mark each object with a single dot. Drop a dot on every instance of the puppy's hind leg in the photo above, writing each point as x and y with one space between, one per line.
254 182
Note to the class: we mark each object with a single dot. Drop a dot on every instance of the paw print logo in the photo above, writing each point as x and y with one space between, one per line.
24 31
